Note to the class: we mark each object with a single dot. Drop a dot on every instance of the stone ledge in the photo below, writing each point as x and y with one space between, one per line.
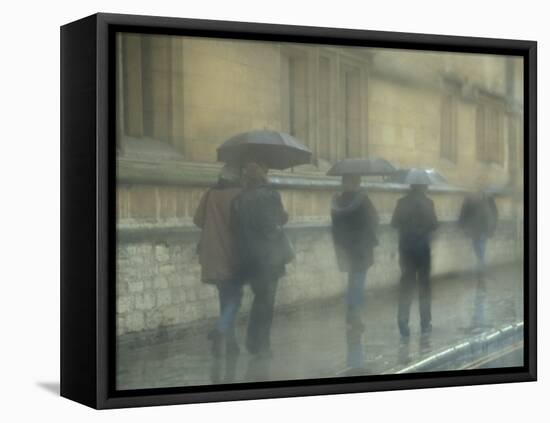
163 234
193 174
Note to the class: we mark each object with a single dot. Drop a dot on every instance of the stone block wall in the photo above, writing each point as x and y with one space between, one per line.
158 275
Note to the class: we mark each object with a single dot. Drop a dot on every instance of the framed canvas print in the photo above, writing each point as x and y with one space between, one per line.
255 211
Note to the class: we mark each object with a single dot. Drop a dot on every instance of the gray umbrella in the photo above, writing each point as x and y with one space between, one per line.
403 176
276 150
421 177
371 166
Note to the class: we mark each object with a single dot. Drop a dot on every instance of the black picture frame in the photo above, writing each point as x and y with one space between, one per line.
88 236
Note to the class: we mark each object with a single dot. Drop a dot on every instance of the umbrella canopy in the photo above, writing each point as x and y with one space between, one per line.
276 150
371 166
424 177
496 189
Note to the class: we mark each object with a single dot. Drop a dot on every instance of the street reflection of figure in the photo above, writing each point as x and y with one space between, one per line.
263 251
218 264
354 224
415 219
480 305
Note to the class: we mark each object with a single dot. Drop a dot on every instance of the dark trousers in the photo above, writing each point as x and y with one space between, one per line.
261 315
415 271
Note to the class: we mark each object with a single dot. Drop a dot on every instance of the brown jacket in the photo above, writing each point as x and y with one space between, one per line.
216 247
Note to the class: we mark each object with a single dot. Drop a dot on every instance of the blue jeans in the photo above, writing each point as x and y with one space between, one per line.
230 295
355 296
480 245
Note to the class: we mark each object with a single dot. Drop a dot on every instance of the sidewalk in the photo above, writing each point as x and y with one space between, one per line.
310 342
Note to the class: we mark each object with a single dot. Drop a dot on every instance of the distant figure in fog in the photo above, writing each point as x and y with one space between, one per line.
415 219
354 226
478 218
218 260
263 251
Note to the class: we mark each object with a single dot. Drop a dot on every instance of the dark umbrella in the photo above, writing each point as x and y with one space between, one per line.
371 166
276 150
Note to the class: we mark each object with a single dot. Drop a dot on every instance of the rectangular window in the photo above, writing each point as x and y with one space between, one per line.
490 142
325 123
448 144
132 93
352 112
294 94
147 87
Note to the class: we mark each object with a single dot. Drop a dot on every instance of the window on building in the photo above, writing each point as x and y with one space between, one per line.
352 112
490 141
325 109
295 95
448 140
147 87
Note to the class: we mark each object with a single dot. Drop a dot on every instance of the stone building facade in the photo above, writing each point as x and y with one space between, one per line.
179 98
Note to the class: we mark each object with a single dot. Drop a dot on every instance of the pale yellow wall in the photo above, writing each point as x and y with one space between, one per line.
218 88
229 87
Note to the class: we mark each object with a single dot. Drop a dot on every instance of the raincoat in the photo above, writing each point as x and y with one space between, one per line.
262 247
479 215
415 219
354 226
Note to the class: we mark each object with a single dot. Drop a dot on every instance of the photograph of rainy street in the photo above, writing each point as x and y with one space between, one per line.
292 211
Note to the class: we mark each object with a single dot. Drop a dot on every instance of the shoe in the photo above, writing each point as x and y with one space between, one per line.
404 331
426 329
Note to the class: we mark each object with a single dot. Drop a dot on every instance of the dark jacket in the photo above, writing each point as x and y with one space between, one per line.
354 226
257 216
479 215
415 219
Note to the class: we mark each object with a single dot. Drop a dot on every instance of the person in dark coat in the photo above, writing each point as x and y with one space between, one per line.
415 219
478 218
354 225
257 217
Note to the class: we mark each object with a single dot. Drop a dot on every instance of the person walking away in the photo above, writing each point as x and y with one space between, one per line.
478 219
263 250
354 226
216 251
415 219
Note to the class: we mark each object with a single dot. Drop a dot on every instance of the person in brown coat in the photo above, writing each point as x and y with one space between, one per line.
216 252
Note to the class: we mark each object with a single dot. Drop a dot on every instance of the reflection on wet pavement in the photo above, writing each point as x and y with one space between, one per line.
310 342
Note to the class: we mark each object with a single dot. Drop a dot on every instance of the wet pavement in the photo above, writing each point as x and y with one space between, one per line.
309 342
